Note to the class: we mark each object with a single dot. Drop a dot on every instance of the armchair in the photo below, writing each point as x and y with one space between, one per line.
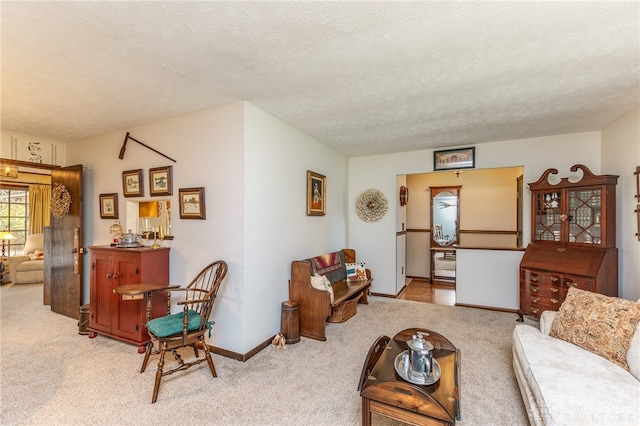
28 268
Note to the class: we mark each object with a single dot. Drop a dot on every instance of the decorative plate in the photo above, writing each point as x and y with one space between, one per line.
371 205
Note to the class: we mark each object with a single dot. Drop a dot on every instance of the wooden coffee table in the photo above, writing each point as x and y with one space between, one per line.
384 392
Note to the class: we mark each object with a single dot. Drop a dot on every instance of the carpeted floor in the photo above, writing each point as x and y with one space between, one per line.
51 375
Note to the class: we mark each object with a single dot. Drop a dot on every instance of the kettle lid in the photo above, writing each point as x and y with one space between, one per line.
418 343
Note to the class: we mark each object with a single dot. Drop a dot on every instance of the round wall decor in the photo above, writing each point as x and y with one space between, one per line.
371 205
60 201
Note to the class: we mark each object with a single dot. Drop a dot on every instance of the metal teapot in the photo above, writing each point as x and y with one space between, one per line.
420 356
129 240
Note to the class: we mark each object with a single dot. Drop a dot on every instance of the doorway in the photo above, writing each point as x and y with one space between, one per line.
422 290
488 213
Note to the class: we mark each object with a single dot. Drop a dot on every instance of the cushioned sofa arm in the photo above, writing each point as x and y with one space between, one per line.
14 261
546 319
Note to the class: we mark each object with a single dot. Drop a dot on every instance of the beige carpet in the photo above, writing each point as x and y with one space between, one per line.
51 375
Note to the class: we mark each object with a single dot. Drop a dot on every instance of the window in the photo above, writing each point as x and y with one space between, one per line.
14 216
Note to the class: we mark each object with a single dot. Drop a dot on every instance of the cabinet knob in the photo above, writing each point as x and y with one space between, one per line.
534 278
554 279
561 249
535 299
571 284
554 289
109 276
555 301
534 289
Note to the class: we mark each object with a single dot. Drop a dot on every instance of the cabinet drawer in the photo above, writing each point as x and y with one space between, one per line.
582 283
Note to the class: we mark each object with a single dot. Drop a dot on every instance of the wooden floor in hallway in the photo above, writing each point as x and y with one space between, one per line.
420 290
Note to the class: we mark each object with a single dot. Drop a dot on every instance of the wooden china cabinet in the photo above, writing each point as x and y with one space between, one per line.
572 240
111 267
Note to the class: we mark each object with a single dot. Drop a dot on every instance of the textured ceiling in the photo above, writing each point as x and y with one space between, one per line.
363 77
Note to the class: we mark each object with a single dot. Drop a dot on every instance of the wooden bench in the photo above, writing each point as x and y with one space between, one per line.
315 306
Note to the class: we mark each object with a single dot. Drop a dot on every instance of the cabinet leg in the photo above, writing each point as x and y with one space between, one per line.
142 348
92 334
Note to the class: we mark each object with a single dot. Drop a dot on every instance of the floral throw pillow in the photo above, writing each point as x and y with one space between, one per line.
600 324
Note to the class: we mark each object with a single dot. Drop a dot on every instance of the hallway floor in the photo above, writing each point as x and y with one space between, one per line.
420 290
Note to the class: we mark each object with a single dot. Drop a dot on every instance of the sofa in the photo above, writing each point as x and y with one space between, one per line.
28 268
582 365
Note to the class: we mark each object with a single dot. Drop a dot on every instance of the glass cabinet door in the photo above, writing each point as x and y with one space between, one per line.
585 216
578 221
547 221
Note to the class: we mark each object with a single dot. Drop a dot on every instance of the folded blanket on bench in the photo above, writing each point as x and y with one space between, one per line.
331 265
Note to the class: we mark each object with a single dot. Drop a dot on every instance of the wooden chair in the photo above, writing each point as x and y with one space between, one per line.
186 328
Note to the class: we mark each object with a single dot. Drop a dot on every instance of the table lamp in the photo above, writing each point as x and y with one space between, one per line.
8 237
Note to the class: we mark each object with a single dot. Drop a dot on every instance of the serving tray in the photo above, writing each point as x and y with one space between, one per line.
415 378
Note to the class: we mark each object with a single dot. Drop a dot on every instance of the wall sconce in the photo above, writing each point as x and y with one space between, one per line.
6 236
9 172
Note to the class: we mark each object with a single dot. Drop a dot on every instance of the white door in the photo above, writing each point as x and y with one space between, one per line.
401 261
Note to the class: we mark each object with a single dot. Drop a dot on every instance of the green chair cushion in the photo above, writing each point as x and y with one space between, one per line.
172 324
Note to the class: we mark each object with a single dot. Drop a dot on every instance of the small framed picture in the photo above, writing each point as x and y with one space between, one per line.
109 206
132 183
160 181
316 194
192 203
464 158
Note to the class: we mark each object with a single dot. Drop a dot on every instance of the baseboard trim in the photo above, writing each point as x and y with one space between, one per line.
391 296
238 356
489 308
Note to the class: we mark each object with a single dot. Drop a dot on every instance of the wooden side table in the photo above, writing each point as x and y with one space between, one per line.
384 392
140 292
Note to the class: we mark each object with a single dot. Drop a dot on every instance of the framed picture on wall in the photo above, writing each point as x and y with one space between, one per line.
109 206
192 204
316 194
132 183
161 181
463 158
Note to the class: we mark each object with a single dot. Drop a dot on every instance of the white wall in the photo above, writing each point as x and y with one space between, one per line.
621 156
375 242
277 228
253 167
209 152
488 279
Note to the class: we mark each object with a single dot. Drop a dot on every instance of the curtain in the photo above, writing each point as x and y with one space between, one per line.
39 208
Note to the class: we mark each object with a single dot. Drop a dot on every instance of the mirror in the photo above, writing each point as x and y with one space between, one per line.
445 218
445 233
149 219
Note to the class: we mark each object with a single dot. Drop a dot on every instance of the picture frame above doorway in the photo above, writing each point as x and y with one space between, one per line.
132 183
451 159
161 181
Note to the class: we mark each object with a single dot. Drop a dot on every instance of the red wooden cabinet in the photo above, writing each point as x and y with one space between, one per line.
111 267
